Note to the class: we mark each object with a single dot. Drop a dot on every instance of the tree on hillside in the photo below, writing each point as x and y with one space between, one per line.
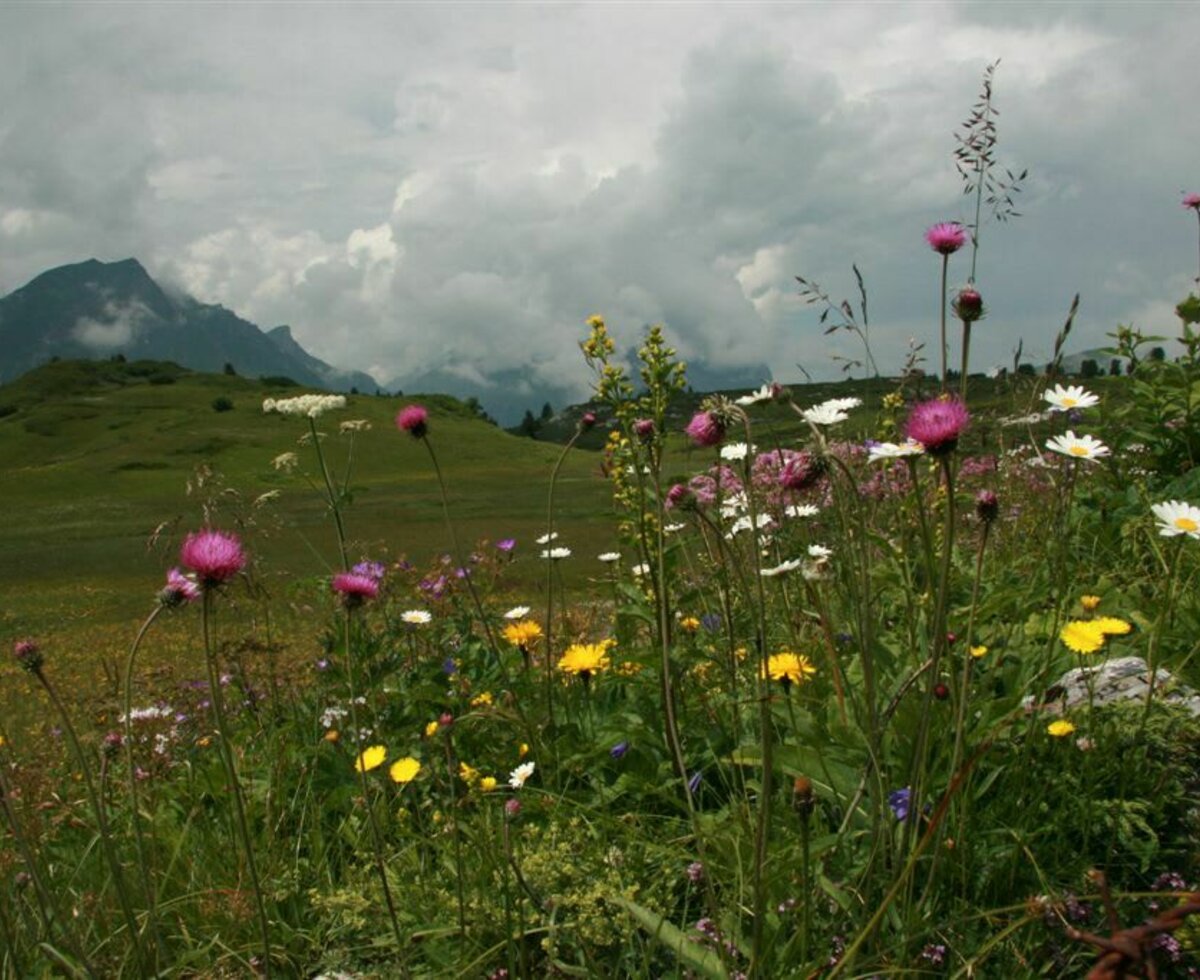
529 425
547 412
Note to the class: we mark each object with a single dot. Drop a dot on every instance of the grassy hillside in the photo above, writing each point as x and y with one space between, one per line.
97 456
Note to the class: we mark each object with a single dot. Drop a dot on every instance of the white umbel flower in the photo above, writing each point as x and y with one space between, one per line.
311 406
554 554
519 776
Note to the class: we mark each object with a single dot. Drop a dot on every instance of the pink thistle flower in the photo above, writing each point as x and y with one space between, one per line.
214 556
987 506
705 429
679 496
355 589
800 470
946 237
414 420
1192 201
937 424
179 589
586 421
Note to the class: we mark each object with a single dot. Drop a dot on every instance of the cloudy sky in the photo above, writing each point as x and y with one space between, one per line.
461 185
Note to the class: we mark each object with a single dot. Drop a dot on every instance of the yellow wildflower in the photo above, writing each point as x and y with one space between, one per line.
1089 602
468 774
1060 728
1111 626
487 784
370 758
431 729
689 624
522 633
482 700
1082 636
404 770
332 735
788 668
979 651
585 659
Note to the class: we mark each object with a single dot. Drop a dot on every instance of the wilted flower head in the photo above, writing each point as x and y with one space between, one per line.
214 556
28 655
987 505
414 420
937 424
179 589
705 429
946 237
968 305
355 589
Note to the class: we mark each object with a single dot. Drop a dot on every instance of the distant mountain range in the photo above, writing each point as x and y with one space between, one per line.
97 310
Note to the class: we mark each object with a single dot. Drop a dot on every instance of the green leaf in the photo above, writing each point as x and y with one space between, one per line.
696 957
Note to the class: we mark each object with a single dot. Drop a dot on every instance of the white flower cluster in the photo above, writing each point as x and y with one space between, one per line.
311 406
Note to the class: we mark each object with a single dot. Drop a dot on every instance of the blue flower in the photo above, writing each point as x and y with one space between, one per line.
900 800
694 782
618 750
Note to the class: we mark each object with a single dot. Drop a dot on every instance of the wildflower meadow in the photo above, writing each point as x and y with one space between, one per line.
891 687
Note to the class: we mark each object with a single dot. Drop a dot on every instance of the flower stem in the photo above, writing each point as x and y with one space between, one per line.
218 707
942 303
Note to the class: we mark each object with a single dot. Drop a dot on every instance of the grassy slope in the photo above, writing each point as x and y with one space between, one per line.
95 457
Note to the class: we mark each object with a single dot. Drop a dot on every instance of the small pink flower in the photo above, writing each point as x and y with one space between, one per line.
987 506
937 424
586 421
414 420
179 589
214 556
946 237
355 589
644 429
705 429
29 655
1192 201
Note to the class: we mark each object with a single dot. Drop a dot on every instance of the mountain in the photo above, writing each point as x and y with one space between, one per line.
100 309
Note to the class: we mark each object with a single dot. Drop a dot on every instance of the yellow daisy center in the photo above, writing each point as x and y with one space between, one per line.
1078 450
1069 403
1186 524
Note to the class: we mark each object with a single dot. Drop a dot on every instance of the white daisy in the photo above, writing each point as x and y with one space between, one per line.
518 777
841 404
609 556
1177 517
640 569
1078 447
554 554
801 510
893 450
547 538
782 568
416 617
819 551
764 394
517 612
736 451
1064 399
827 413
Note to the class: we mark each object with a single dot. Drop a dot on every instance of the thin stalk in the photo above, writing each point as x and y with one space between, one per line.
135 815
966 348
106 843
331 492
549 631
942 304
218 706
376 835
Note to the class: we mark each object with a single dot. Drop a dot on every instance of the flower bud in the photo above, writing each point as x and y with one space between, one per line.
987 506
968 305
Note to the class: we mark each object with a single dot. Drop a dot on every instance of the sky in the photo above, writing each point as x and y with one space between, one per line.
458 186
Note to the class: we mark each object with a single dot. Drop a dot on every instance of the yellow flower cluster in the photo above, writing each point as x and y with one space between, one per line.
1090 635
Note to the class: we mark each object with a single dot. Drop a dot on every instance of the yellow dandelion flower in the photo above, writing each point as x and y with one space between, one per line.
523 633
370 758
788 668
689 624
1059 729
404 770
585 659
482 700
487 784
523 750
431 729
1089 602
1082 636
1111 626
468 774
979 651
